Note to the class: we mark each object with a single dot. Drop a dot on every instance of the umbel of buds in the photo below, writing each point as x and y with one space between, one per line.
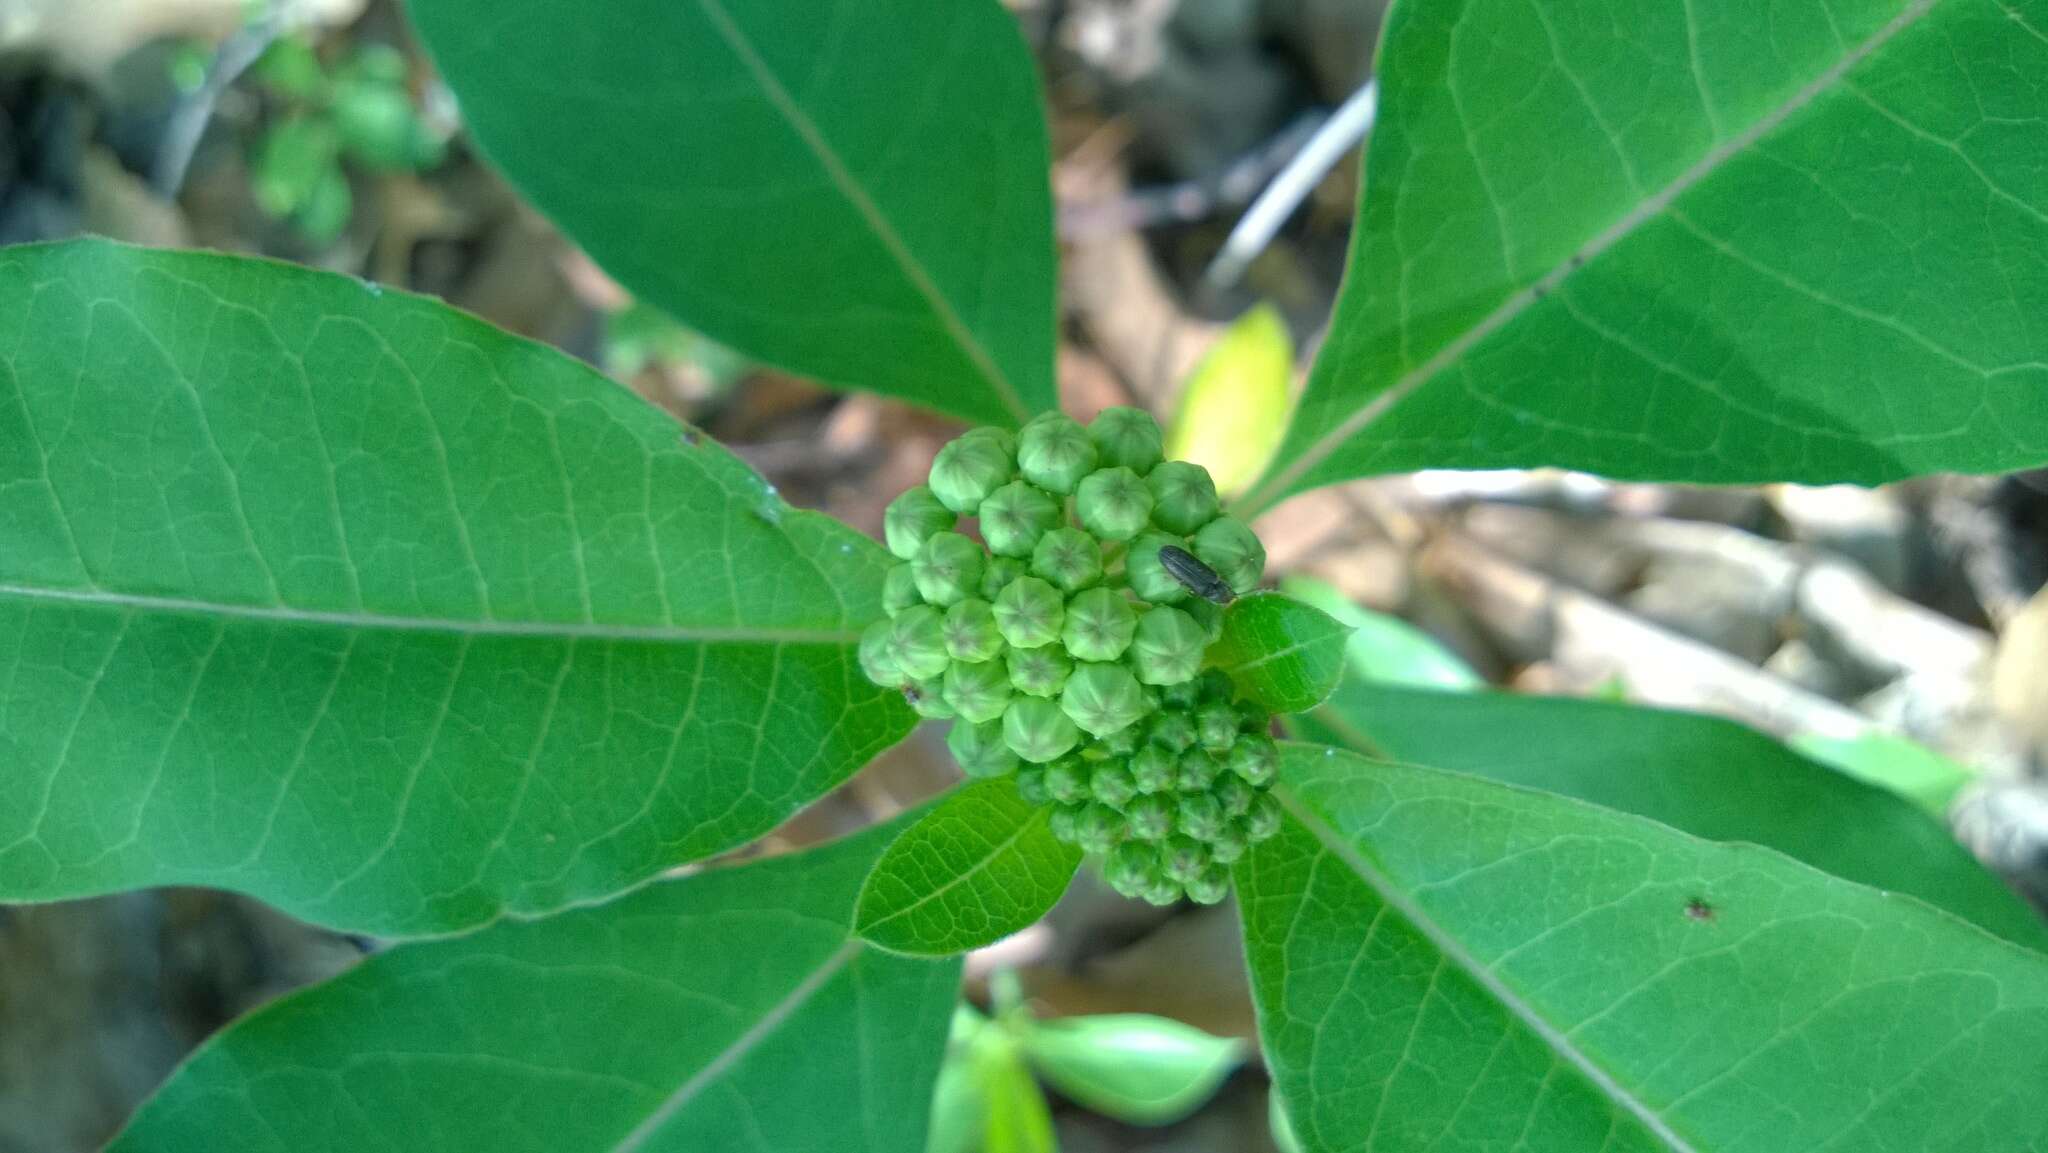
1068 653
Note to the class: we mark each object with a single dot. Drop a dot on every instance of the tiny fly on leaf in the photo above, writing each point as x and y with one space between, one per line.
1195 576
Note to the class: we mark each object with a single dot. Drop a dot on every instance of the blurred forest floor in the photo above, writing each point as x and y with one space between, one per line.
1914 610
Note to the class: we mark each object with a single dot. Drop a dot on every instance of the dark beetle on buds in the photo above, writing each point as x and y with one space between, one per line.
1195 576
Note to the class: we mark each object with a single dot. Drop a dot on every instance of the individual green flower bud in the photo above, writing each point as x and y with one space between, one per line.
1251 718
1149 818
1216 686
1147 576
1216 726
1099 625
911 520
1154 768
1102 698
1067 780
928 697
1174 729
1041 672
1197 771
1198 815
1063 821
1098 829
899 589
1113 504
1069 558
1262 820
1120 744
971 632
1031 784
1015 516
1128 438
1167 647
948 569
1029 613
1183 858
877 654
969 469
1112 785
1211 886
1130 868
1054 453
1233 793
1226 545
1254 758
1003 438
918 641
980 749
997 574
1038 731
1183 496
978 690
1228 846
1163 891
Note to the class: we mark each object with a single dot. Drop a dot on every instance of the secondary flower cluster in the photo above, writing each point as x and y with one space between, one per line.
1063 641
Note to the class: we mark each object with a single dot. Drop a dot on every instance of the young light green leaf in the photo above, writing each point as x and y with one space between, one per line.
1904 766
1710 777
959 1105
665 1020
980 865
1283 654
1135 1067
340 598
1386 649
858 195
1442 961
1669 241
1019 1119
1234 410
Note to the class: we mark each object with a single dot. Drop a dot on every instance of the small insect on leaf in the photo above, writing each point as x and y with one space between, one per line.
1699 910
1195 576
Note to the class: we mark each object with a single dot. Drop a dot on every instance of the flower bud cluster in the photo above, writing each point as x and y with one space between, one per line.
1059 641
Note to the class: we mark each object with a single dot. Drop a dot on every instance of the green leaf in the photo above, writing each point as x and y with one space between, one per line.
1233 412
1441 961
1283 654
1135 1067
693 1014
340 598
1684 242
980 865
959 1106
858 194
1710 777
1386 649
1019 1120
1904 766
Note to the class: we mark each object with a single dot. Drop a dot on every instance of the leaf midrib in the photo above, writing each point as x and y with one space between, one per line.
857 196
1271 491
1448 946
798 996
321 618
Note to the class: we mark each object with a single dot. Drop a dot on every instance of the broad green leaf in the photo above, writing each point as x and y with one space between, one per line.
731 1010
1694 242
980 865
1904 766
343 599
1710 777
858 193
1383 648
1234 410
1135 1067
1283 654
1441 961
